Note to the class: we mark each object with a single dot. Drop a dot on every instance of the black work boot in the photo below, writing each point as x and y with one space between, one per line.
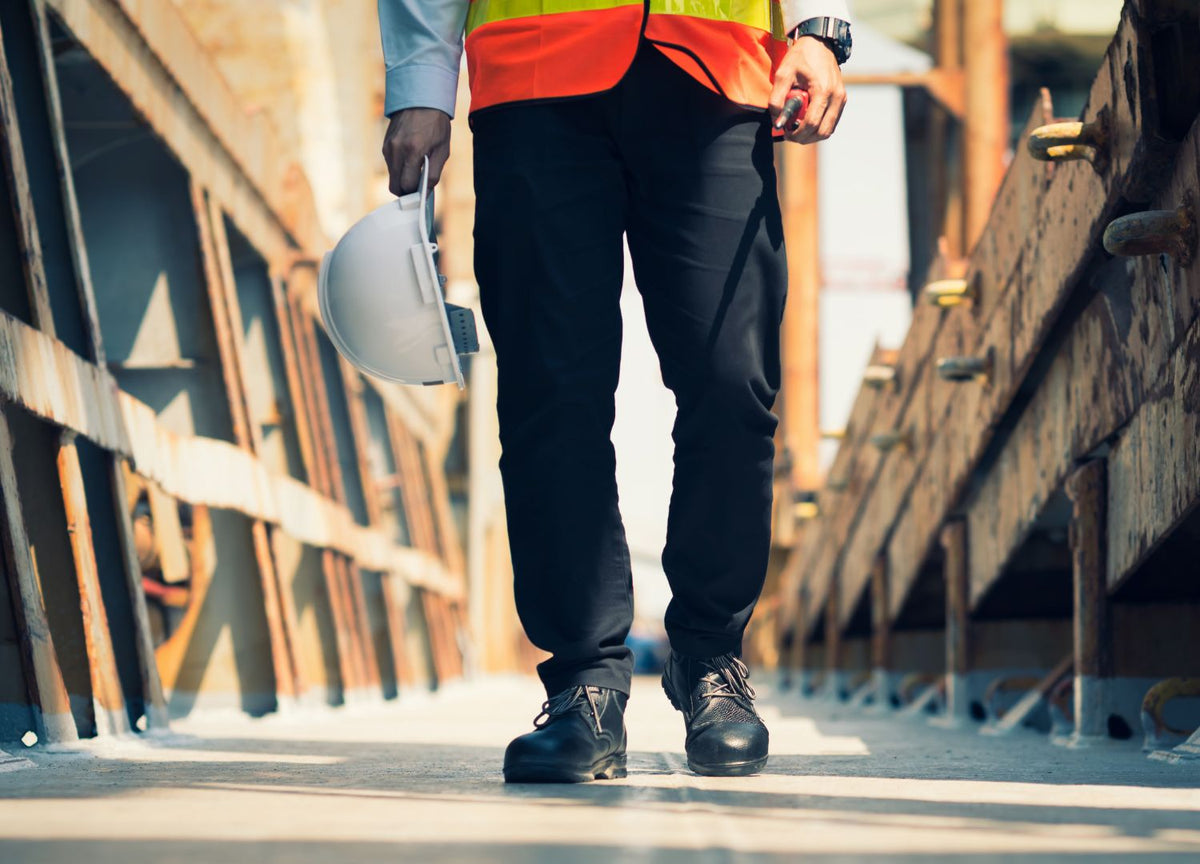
725 736
580 736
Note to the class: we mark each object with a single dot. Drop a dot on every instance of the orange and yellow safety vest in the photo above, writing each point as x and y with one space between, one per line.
519 50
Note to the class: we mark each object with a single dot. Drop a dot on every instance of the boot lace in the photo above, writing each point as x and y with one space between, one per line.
565 702
727 676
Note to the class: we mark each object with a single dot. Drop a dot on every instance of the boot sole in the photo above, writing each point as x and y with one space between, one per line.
610 768
729 769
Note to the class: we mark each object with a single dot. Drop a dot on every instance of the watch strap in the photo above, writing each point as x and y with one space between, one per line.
832 31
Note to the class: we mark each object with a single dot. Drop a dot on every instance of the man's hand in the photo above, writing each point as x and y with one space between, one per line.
413 134
809 64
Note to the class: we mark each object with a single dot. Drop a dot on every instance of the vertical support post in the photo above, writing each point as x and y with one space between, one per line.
152 692
107 693
834 677
986 117
227 322
1087 489
108 700
322 467
945 167
49 701
881 630
798 659
954 543
801 332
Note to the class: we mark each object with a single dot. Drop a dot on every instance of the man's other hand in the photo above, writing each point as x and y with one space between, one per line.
809 64
413 134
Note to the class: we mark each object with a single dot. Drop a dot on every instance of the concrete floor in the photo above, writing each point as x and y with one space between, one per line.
418 780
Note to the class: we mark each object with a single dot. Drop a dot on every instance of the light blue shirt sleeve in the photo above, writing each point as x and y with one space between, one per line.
795 11
422 52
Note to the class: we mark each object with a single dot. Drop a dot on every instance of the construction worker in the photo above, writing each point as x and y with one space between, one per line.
650 120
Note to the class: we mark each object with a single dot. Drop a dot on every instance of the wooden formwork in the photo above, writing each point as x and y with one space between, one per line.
1028 464
202 502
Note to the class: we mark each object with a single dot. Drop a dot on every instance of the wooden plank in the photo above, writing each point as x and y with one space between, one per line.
43 376
48 693
447 530
292 373
74 227
155 704
398 631
107 697
412 487
324 465
12 155
226 317
1076 208
152 691
352 384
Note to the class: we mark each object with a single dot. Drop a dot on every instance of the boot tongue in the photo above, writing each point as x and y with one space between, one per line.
724 679
566 702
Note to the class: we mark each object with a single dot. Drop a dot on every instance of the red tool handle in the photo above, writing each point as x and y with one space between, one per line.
793 112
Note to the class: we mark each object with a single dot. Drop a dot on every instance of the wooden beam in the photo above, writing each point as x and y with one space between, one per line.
106 688
221 288
108 700
152 692
49 381
1132 326
1053 256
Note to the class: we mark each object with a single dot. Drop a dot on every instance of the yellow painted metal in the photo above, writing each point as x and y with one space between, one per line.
1067 141
878 376
807 510
1158 732
949 292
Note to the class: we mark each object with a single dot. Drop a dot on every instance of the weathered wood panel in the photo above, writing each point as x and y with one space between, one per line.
1076 208
1154 468
43 376
1108 364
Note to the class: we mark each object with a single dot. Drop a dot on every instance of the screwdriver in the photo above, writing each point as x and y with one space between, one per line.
793 111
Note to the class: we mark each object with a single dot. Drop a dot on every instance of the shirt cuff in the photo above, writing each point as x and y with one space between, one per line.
795 11
420 86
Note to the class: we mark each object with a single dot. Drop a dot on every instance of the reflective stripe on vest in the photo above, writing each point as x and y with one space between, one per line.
520 50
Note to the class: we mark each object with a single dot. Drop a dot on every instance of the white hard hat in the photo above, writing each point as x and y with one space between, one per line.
381 297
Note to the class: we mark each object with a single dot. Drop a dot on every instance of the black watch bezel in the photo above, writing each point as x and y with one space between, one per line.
834 32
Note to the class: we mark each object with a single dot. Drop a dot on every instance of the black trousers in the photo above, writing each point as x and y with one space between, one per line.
689 179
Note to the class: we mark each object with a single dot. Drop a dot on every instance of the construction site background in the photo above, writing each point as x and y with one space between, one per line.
987 496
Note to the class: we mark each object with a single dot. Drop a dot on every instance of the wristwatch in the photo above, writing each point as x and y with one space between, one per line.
834 32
